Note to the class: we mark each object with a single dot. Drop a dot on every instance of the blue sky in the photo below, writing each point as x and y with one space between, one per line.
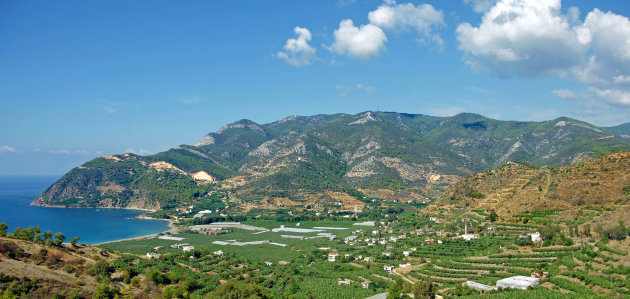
82 79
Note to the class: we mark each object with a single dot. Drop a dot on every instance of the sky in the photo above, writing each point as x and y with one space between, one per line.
81 79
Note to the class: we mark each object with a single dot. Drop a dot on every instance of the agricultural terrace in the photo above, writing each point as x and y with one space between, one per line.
335 258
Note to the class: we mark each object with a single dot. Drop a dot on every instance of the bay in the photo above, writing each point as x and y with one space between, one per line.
91 225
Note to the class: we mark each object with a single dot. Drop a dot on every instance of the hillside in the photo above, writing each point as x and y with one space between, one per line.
301 157
33 270
517 190
622 130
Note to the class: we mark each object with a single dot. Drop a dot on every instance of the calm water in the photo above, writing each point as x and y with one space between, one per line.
91 225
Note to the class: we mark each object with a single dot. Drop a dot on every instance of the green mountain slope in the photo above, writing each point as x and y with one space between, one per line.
622 130
301 155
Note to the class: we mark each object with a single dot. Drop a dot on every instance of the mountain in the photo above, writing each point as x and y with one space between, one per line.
299 158
622 130
518 188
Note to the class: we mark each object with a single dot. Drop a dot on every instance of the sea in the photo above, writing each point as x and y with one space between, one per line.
91 225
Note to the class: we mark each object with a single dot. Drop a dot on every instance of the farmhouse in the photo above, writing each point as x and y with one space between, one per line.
406 253
219 253
179 245
188 248
388 269
153 255
518 282
158 248
333 256
365 285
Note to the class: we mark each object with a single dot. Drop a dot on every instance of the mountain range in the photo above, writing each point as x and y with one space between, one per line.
406 156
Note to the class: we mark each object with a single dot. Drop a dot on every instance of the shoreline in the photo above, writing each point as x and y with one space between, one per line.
67 207
172 229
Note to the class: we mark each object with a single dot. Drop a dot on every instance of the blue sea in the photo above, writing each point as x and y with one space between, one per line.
91 225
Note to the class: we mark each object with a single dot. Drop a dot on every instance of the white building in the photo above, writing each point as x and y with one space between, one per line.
536 237
518 282
333 256
219 253
388 269
478 286
188 248
406 253
468 237
153 255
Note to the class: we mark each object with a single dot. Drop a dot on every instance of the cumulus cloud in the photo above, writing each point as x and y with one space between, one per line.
481 5
522 37
421 18
608 36
364 42
536 38
563 94
613 96
7 149
297 51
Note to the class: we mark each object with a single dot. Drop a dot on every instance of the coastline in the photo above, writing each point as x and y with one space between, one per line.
172 229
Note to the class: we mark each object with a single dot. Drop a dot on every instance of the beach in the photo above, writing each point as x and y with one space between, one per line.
172 230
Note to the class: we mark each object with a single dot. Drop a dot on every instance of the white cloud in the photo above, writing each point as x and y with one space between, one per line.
109 106
613 96
366 88
345 90
522 37
608 36
66 152
342 3
297 50
563 94
481 5
7 149
60 151
407 16
138 152
535 38
364 42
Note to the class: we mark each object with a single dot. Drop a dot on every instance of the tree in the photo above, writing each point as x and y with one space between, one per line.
587 230
101 269
104 292
234 290
59 238
3 229
620 232
394 291
74 241
493 216
424 289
